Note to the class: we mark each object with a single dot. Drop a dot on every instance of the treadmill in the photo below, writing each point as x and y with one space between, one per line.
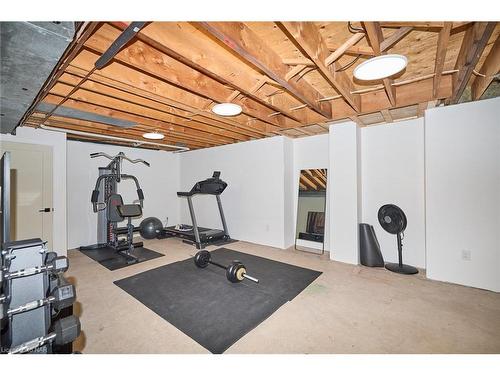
193 234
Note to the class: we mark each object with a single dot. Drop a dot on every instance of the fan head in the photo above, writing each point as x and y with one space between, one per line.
392 218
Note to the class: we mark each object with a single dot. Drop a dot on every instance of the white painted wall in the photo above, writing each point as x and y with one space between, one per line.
456 207
462 154
290 192
310 153
253 202
392 160
160 182
58 143
344 192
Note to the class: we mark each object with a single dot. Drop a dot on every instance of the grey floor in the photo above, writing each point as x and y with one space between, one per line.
348 309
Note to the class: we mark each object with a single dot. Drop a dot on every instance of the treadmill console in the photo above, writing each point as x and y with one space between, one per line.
213 186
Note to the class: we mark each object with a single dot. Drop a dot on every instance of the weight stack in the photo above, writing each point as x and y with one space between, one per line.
369 248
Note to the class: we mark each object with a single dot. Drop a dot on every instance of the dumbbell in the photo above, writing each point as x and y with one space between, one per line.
56 265
235 272
60 297
3 306
50 256
64 331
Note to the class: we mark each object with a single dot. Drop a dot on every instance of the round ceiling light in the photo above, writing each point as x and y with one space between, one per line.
153 135
380 67
227 109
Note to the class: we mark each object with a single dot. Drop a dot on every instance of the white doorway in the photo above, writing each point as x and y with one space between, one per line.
31 191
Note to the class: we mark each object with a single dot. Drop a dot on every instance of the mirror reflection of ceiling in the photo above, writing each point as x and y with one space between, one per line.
312 180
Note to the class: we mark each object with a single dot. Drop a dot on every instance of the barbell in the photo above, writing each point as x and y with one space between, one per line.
235 272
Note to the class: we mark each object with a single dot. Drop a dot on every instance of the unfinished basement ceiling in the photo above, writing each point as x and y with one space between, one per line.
290 78
29 53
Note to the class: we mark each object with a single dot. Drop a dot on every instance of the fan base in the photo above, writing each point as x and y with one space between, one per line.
404 269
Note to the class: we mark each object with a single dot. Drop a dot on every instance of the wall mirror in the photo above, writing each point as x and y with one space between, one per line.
311 209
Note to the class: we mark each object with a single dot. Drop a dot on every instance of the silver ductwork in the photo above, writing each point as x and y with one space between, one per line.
29 51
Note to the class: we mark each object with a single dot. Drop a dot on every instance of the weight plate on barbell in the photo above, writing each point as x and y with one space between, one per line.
202 258
240 271
233 272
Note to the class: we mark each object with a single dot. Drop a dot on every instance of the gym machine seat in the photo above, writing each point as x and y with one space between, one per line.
129 211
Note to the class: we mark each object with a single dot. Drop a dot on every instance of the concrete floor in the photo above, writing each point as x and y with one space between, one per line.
348 309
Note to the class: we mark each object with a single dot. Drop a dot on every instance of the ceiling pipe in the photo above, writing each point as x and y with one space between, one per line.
102 136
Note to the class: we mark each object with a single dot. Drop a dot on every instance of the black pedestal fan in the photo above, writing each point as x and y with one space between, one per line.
393 220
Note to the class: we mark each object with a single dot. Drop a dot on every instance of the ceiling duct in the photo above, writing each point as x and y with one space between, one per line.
71 113
29 52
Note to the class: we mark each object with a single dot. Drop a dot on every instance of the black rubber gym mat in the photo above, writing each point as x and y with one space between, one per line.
110 259
204 305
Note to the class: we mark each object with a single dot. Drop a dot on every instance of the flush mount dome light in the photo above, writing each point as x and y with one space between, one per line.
153 135
380 67
226 109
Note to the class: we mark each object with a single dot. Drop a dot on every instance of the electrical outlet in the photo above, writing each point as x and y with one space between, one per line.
466 255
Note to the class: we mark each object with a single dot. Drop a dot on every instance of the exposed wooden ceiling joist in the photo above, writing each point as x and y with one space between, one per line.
291 78
490 68
128 110
408 94
387 115
353 50
421 109
316 179
395 37
307 181
96 93
149 60
442 46
163 94
474 41
99 129
154 124
376 38
183 42
355 38
307 38
240 39
181 136
421 24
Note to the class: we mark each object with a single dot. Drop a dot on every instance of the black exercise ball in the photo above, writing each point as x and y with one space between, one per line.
150 228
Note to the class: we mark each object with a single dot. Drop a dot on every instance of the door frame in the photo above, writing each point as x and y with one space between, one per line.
47 184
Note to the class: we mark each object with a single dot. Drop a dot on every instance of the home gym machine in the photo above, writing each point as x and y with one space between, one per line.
235 272
111 209
193 234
